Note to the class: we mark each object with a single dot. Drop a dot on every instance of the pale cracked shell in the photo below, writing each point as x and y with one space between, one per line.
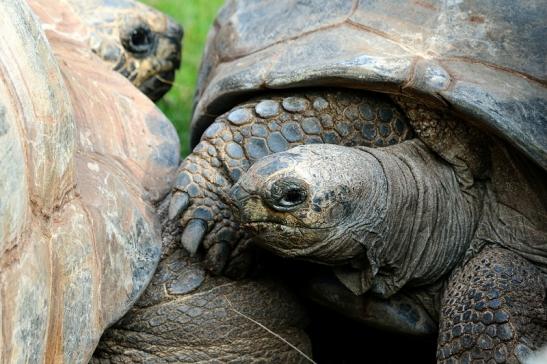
83 158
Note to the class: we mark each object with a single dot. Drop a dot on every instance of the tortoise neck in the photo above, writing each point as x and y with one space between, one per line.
427 222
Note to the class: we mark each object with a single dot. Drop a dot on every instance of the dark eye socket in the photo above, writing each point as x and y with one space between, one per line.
293 196
139 37
139 40
287 194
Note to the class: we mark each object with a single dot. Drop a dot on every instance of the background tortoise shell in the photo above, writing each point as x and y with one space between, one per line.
79 176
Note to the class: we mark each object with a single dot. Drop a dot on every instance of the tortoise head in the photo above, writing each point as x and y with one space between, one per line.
141 43
296 206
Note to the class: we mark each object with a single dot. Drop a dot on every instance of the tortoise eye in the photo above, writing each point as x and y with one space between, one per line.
287 194
139 40
293 197
139 37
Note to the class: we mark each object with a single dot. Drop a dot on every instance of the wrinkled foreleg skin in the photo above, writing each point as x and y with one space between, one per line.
258 128
493 311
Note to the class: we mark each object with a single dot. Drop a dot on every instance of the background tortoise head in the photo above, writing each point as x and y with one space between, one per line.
141 43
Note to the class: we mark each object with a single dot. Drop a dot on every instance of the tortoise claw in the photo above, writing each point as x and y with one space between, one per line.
179 202
193 235
217 257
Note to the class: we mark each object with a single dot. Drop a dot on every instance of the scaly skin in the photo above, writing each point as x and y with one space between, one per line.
187 316
397 215
402 217
494 310
258 128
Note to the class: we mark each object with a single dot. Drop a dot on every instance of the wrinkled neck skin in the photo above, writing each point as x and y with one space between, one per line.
416 224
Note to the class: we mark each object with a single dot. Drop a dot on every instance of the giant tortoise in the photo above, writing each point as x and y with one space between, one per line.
87 159
466 77
418 217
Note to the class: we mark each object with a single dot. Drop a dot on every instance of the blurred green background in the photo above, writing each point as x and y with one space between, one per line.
196 16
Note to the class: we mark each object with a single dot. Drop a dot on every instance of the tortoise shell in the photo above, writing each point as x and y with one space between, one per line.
85 156
484 60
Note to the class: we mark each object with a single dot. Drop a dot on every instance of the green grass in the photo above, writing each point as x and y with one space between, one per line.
196 16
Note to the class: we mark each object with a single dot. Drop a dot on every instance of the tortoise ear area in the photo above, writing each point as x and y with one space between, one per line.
332 204
108 49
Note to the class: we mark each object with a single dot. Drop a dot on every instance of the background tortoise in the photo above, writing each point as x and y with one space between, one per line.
484 62
80 237
82 179
138 41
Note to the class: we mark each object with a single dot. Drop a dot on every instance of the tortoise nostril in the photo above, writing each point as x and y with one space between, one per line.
175 31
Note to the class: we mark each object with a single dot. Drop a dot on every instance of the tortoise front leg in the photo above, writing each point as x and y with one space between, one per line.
493 311
258 128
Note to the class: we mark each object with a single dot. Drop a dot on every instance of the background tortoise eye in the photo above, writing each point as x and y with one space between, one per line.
138 40
139 37
287 194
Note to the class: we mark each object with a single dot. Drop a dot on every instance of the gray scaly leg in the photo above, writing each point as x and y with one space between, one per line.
493 311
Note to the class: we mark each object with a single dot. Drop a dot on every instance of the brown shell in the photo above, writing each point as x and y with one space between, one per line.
84 157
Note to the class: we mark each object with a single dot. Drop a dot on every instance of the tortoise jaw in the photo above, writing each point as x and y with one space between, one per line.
279 237
168 58
158 85
273 230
